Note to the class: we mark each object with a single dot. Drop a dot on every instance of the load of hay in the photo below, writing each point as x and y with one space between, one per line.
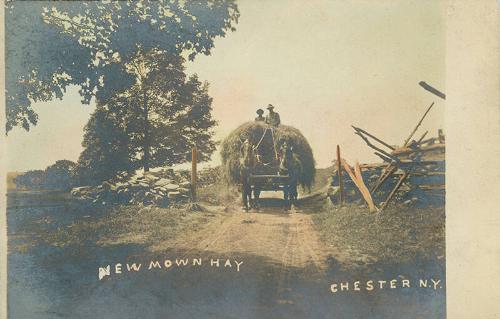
231 147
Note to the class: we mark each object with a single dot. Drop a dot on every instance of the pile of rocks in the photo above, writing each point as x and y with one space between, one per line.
160 188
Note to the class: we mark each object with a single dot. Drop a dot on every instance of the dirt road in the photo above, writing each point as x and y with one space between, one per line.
285 238
287 268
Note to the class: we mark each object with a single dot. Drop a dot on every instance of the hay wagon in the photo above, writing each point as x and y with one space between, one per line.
266 175
269 170
267 143
268 178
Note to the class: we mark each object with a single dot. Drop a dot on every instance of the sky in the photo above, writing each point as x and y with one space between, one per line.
324 64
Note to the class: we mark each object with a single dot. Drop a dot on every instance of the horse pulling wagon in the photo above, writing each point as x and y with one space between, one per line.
260 157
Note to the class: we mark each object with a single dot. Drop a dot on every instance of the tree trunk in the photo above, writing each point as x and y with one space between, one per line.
147 143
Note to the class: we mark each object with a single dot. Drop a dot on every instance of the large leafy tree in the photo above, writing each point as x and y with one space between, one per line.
106 144
51 45
154 122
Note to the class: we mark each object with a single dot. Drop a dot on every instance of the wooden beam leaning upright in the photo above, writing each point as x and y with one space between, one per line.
394 190
386 173
418 125
357 178
194 175
364 190
339 173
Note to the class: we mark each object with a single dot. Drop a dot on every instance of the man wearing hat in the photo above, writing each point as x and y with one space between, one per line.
260 118
272 118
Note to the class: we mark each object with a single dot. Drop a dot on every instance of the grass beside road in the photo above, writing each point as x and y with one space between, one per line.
161 228
152 227
396 235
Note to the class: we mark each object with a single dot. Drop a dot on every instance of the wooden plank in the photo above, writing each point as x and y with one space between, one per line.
418 124
427 148
432 187
424 162
364 190
437 173
339 172
432 90
394 190
422 137
357 129
378 149
431 141
403 162
384 158
373 165
441 137
194 175
349 171
389 170
360 185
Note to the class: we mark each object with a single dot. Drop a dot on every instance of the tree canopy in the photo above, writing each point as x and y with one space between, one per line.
51 45
154 122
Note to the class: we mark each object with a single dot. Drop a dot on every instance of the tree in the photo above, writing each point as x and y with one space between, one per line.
106 144
155 98
195 125
51 45
155 122
60 175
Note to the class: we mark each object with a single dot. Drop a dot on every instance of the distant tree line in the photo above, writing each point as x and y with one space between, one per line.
59 176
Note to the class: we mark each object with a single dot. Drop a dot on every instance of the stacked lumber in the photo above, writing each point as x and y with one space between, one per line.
413 174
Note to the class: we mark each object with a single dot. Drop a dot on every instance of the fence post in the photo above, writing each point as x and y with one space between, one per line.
339 172
194 177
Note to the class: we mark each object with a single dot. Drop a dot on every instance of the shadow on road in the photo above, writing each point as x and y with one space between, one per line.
64 284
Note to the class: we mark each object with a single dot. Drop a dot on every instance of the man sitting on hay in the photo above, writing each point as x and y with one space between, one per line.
273 118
